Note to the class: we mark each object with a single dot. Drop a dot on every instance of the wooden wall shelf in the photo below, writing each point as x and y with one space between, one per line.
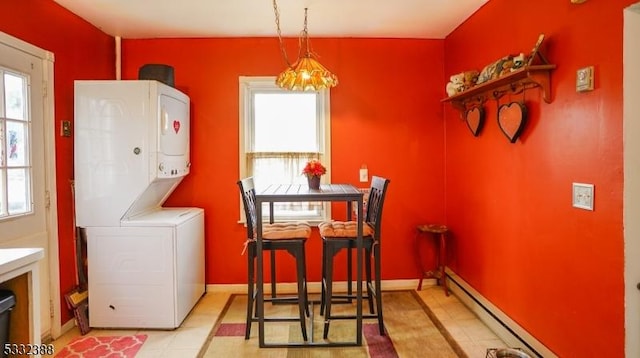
514 82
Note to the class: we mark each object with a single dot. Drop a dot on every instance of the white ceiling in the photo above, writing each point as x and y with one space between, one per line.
432 19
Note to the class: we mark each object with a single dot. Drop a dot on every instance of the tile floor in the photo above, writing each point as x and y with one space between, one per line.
187 341
471 334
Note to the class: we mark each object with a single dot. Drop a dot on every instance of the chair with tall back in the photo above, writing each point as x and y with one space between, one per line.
290 237
339 235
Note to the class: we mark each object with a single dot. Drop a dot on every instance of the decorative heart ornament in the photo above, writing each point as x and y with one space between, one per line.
176 126
475 120
511 119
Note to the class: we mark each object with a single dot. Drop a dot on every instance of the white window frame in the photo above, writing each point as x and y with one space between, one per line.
250 85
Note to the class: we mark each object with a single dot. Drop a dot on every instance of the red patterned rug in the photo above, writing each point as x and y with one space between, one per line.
99 347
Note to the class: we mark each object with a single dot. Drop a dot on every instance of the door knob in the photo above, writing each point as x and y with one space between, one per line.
638 286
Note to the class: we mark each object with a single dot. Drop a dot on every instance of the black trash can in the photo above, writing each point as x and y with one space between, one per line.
7 302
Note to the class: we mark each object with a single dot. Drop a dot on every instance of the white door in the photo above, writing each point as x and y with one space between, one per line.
631 88
24 185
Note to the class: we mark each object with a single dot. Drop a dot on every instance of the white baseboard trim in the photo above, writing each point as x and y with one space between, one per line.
48 338
68 326
314 287
501 324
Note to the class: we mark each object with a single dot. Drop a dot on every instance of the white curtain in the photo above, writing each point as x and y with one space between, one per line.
283 168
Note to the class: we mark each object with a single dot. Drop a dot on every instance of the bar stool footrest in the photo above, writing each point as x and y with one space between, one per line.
346 317
281 300
277 319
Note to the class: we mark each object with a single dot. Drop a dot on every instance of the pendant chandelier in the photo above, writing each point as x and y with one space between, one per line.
306 74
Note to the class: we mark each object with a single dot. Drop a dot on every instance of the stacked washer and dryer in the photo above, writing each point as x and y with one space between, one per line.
145 261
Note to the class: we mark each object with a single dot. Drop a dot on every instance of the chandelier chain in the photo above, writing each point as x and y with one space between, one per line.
282 48
305 35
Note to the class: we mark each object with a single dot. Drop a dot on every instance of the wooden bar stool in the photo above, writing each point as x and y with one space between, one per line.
290 237
439 233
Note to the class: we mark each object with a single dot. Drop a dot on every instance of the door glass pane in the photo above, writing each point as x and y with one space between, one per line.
15 90
16 144
3 199
18 193
3 158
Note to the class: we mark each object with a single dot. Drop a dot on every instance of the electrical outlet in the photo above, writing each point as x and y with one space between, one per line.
583 196
364 175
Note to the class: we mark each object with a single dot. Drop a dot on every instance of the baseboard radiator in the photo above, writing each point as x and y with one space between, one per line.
504 327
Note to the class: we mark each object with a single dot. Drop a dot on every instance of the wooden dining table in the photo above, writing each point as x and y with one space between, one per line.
275 193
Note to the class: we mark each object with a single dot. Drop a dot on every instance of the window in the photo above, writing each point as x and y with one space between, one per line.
280 131
15 161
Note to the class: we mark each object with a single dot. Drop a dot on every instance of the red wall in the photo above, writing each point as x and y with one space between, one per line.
81 52
554 269
385 113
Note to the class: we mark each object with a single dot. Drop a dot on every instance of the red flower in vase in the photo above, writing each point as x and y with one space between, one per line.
314 169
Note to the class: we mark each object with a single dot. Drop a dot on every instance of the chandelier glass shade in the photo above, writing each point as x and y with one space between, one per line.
306 74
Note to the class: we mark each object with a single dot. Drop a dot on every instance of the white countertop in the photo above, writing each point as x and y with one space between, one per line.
11 259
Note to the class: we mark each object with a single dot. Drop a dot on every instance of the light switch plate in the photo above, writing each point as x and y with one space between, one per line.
583 196
65 129
584 79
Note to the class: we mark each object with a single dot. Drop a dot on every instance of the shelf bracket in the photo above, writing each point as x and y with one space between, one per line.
542 79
